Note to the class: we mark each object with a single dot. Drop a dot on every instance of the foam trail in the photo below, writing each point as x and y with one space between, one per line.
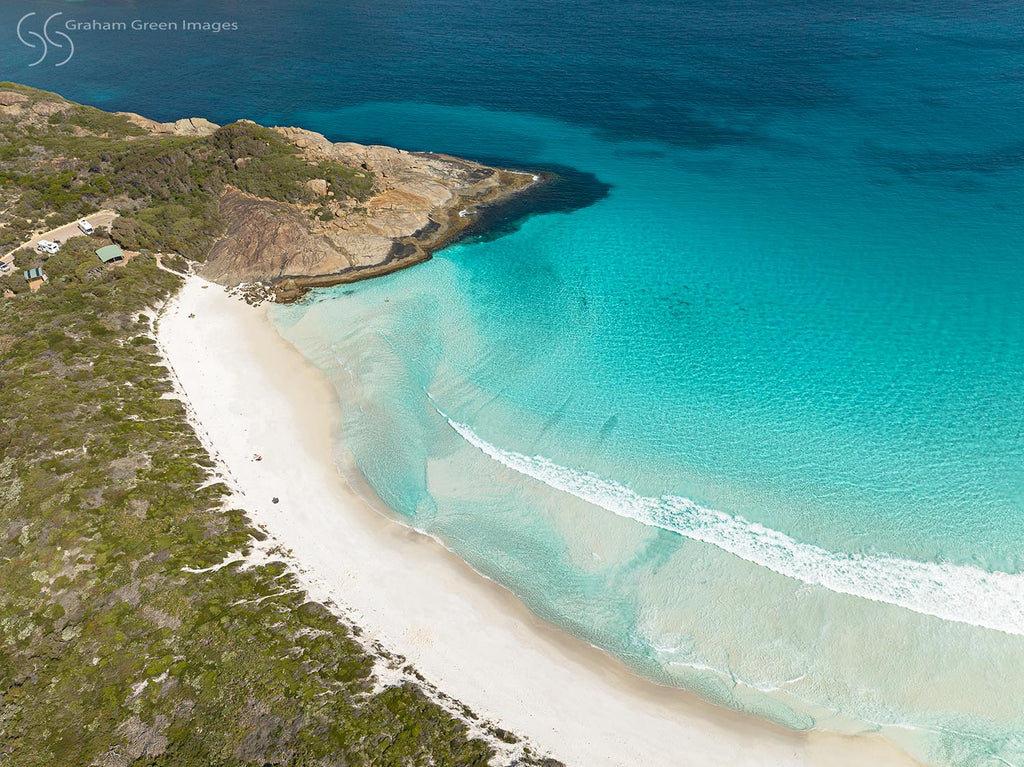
961 593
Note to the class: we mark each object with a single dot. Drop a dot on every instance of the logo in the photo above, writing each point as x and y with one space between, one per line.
45 40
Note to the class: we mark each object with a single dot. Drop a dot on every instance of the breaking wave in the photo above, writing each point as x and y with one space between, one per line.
961 593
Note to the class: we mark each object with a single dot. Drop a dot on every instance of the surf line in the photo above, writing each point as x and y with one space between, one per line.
960 593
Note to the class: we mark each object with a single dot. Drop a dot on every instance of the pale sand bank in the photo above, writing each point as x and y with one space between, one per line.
251 392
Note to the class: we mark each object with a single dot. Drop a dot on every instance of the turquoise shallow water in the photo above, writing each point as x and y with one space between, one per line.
753 420
755 427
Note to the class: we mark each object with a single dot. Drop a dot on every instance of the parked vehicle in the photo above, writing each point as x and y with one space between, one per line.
86 227
46 246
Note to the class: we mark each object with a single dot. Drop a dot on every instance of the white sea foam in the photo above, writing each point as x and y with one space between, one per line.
961 593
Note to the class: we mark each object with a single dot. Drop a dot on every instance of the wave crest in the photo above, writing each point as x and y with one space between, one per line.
961 593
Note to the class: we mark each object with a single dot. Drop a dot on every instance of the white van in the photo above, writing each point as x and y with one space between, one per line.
45 246
86 227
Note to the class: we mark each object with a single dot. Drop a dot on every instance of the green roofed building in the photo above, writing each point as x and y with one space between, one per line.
35 278
110 253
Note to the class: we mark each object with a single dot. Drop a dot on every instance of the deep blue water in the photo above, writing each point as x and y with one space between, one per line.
748 411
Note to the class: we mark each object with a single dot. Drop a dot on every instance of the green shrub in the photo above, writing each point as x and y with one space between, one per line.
104 498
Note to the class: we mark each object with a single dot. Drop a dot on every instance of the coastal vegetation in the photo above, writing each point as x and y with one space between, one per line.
125 639
61 160
283 207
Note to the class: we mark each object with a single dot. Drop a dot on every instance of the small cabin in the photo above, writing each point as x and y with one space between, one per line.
35 278
110 254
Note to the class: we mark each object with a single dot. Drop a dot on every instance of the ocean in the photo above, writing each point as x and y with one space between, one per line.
742 401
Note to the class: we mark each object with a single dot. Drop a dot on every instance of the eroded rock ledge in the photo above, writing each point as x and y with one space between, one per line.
419 203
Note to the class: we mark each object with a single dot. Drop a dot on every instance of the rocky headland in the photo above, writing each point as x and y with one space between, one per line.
284 209
418 203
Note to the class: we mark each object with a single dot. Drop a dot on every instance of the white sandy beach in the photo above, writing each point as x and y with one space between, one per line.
251 392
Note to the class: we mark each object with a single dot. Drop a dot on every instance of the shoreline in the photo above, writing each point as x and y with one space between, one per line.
249 391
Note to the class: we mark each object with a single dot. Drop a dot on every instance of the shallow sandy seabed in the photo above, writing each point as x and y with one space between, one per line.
250 392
